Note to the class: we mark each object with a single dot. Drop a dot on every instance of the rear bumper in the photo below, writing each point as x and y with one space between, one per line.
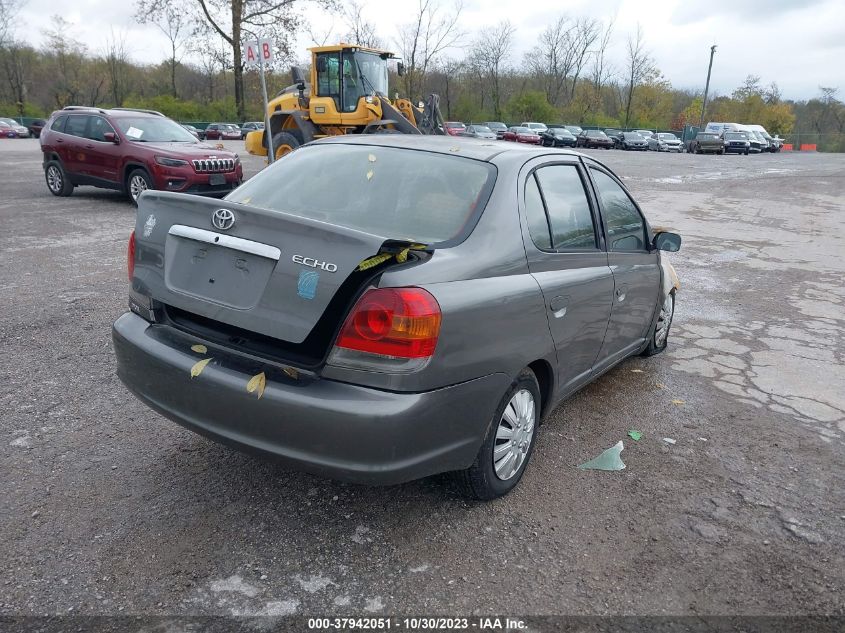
334 429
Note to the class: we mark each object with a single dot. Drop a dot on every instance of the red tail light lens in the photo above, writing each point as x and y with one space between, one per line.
398 322
130 256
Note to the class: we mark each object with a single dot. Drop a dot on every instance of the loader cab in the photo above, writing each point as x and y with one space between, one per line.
346 76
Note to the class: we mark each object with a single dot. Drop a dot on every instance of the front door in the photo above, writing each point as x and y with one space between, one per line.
102 158
566 257
635 266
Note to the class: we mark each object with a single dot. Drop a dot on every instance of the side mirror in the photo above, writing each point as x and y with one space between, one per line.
297 75
665 241
111 137
400 69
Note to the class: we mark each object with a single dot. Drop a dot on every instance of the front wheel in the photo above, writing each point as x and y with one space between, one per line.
57 181
660 333
137 183
509 443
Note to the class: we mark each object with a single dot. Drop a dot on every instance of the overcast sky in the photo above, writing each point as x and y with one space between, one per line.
800 44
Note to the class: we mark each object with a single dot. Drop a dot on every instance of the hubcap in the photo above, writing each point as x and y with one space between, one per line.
54 178
514 435
137 186
664 321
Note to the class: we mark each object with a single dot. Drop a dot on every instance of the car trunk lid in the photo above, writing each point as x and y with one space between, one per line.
256 270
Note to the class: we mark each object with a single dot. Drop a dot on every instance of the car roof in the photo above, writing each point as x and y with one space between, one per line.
478 149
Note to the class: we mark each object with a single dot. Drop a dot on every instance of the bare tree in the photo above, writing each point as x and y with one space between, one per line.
116 57
360 31
236 21
422 41
585 33
8 12
172 21
601 70
490 53
639 65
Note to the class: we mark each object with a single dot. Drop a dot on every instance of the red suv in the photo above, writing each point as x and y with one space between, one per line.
132 151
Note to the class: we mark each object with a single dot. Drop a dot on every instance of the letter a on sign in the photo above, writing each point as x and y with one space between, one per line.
251 57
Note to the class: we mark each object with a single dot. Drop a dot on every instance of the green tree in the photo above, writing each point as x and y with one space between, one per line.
531 105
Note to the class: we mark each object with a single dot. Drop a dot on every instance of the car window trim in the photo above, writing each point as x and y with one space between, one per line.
590 203
597 166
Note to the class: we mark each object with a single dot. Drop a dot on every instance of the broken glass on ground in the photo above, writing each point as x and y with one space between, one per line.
608 460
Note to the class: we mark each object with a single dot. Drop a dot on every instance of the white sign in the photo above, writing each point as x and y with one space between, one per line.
258 52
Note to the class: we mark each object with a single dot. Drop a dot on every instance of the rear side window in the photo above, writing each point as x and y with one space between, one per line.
76 125
59 124
402 194
535 212
568 207
625 224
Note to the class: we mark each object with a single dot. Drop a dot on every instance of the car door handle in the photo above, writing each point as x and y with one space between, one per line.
558 306
89 147
621 291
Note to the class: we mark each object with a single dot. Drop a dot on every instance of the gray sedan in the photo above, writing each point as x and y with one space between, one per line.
382 308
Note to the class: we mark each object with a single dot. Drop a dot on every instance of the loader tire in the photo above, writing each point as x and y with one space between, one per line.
284 143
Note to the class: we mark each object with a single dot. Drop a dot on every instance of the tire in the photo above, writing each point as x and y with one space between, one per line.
520 406
659 337
57 180
284 143
137 183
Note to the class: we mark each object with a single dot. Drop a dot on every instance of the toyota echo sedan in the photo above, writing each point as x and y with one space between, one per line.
422 314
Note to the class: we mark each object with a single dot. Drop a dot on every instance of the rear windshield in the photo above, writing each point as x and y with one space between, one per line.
398 193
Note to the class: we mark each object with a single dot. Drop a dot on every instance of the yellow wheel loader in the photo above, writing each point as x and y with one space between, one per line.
347 94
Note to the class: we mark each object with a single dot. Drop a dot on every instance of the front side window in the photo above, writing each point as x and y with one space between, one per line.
568 207
625 224
97 128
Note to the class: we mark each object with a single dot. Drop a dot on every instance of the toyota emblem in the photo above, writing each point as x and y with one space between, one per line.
223 219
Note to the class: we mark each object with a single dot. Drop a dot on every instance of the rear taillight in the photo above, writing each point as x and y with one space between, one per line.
130 256
389 329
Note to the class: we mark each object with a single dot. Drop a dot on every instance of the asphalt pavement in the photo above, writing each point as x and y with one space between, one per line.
108 508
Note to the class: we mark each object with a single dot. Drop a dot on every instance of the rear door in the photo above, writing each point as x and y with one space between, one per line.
566 256
73 140
635 266
101 158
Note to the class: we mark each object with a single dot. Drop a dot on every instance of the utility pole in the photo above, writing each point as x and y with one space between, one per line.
706 87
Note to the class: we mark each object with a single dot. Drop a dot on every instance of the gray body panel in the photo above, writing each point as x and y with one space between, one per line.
498 295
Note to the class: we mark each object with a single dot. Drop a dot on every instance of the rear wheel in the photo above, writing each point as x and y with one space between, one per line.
660 333
509 443
284 143
57 181
137 183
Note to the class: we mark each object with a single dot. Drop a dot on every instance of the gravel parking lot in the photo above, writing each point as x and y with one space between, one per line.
108 508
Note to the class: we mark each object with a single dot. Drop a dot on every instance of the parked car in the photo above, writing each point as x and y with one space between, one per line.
498 127
534 127
251 126
615 136
194 131
479 131
646 134
6 131
634 141
20 130
709 143
574 129
764 144
594 138
521 134
735 142
775 143
453 128
665 142
222 132
446 362
131 151
557 137
754 144
36 126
